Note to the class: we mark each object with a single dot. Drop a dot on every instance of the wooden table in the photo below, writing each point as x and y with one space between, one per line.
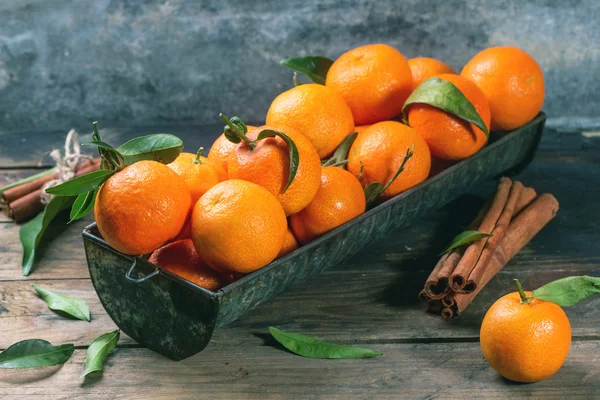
370 300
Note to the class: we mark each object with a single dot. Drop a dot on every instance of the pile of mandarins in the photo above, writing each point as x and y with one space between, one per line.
212 219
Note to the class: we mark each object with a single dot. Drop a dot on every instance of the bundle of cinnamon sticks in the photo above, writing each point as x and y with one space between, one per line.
24 201
513 216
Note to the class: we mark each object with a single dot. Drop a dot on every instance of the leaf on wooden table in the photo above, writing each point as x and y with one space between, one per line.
310 347
568 291
161 147
314 67
71 306
100 347
31 233
465 238
444 95
33 353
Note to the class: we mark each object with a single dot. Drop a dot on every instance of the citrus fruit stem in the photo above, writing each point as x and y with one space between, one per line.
524 298
295 80
235 131
198 155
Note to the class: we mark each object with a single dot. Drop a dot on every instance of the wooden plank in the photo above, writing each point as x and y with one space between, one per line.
364 305
61 254
256 371
23 315
23 154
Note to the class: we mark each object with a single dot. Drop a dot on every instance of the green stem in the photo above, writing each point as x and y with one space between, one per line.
198 155
337 164
295 79
239 132
524 298
26 180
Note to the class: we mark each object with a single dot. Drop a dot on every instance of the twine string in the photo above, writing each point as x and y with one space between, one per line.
65 166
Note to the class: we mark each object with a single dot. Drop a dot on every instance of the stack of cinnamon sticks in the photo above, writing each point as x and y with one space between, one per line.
24 201
513 216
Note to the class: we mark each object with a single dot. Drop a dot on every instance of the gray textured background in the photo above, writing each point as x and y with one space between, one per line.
65 63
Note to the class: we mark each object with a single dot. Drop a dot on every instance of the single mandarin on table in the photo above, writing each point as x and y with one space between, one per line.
375 80
513 83
379 151
238 226
315 111
423 68
220 149
182 259
339 200
525 342
199 173
267 163
142 207
450 137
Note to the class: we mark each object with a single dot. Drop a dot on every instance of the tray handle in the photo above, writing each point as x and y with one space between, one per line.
143 278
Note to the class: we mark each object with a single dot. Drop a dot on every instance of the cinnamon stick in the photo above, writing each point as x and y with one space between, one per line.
519 232
472 253
31 204
490 244
12 194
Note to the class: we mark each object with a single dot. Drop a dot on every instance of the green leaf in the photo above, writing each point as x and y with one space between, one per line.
568 291
310 347
99 348
31 233
98 143
314 67
161 147
71 306
340 156
373 191
84 203
465 238
81 184
35 353
444 95
294 156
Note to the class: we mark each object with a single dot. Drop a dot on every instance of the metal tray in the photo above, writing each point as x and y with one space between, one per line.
177 318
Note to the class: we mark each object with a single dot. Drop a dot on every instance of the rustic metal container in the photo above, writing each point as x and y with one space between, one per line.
177 318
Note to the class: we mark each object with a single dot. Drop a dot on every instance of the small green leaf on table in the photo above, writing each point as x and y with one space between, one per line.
71 306
84 203
31 233
98 350
465 237
34 353
81 184
161 147
568 291
444 95
314 67
294 156
310 347
340 156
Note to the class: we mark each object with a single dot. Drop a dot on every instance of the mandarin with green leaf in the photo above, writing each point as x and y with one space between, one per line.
524 339
142 207
448 136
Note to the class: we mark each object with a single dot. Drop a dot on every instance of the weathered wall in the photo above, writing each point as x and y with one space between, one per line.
134 62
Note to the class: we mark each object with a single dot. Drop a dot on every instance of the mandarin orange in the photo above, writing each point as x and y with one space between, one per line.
423 68
238 226
315 111
142 207
375 80
339 200
450 137
378 152
513 83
